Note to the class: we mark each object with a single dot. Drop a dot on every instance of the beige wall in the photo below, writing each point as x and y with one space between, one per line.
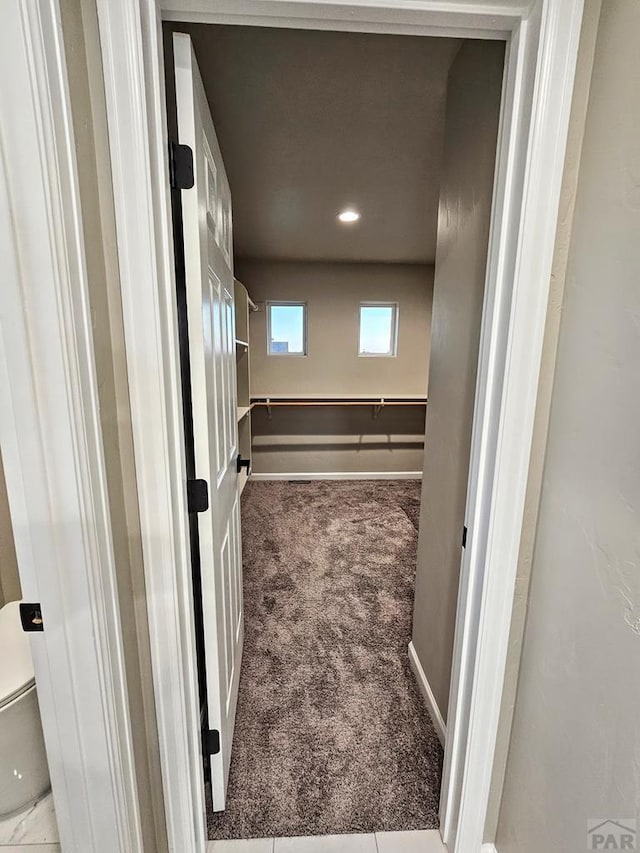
576 738
89 120
339 439
473 104
9 579
333 293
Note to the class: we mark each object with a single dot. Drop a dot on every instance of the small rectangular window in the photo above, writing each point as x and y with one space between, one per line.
286 328
378 329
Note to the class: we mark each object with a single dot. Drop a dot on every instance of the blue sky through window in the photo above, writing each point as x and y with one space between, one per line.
286 323
377 329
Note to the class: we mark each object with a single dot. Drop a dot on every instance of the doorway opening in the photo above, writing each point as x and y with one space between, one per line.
542 41
307 331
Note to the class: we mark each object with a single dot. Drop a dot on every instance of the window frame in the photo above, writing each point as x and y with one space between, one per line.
387 303
305 341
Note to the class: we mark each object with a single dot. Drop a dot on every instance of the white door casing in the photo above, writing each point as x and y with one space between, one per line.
207 232
52 444
542 36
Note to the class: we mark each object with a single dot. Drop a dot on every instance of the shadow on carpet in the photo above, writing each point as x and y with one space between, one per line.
331 732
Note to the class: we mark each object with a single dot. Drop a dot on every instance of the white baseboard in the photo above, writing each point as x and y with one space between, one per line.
344 475
427 695
488 848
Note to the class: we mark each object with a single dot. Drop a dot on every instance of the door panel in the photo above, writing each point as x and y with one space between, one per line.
207 233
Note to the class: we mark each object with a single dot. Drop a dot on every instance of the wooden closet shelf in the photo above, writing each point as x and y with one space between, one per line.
339 401
376 404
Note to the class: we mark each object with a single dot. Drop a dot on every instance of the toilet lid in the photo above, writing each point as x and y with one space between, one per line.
16 666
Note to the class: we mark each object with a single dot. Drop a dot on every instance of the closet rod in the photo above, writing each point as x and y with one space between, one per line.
377 404
382 402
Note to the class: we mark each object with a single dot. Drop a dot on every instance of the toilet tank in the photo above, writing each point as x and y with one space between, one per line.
24 774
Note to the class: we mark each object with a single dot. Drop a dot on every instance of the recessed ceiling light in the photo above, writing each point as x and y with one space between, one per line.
349 216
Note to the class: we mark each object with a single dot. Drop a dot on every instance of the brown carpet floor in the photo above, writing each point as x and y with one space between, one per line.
331 733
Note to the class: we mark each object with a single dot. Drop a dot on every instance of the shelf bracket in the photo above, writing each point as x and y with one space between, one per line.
269 408
377 408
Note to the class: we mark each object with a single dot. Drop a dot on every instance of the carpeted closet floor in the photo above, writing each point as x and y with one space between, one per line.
331 732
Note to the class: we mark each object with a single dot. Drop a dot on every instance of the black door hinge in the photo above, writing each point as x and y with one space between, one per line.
31 616
242 463
197 496
211 742
464 536
180 166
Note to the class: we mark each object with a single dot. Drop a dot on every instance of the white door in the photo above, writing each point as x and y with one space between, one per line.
206 211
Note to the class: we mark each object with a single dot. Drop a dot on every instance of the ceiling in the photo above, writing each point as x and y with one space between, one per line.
312 122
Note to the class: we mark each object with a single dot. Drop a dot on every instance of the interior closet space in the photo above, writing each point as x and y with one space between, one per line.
309 435
311 124
359 168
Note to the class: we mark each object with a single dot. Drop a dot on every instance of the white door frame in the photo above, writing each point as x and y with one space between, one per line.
542 38
52 444
51 427
542 47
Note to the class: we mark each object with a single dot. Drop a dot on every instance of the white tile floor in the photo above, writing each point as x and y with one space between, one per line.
35 831
426 841
30 848
422 841
327 844
34 828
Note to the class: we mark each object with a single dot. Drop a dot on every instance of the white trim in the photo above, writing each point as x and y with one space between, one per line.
305 326
343 475
427 694
392 352
448 18
52 444
489 848
131 39
521 245
542 43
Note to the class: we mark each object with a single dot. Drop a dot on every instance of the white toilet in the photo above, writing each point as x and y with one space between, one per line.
24 774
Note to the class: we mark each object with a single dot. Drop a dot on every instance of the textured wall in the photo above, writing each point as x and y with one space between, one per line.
82 50
9 579
473 105
339 439
575 748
